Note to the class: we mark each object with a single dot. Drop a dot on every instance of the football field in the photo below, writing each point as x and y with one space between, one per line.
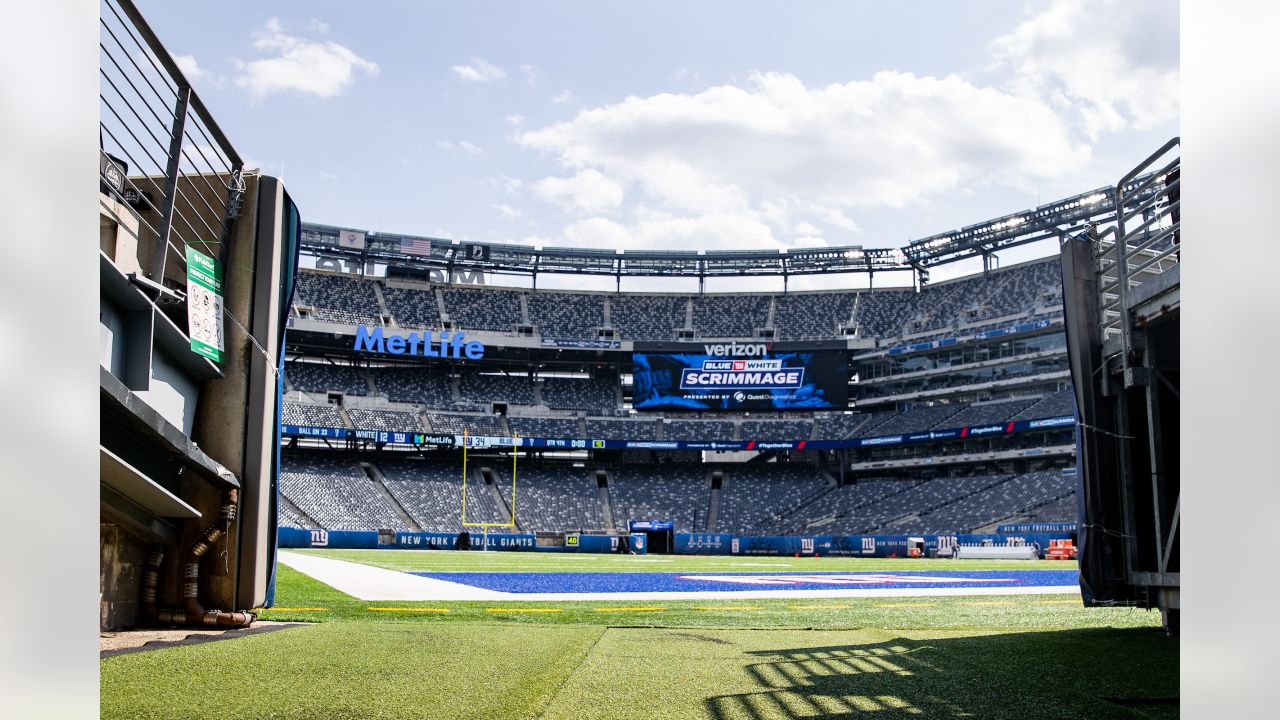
718 655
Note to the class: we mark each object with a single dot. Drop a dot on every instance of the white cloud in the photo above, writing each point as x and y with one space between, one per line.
322 68
588 191
478 71
562 97
821 151
318 26
1115 62
514 119
462 145
505 182
189 67
507 211
656 230
528 72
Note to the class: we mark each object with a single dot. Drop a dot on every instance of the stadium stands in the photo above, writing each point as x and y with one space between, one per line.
470 424
495 310
679 493
881 313
545 427
332 489
648 317
916 419
311 415
323 377
431 492
422 385
697 430
413 308
822 514
729 316
479 387
1062 509
755 498
776 429
338 298
555 498
880 518
384 419
753 494
1058 404
987 413
836 427
811 316
566 316
612 429
288 518
591 394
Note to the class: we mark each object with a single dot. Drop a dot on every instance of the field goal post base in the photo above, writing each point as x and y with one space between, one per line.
484 527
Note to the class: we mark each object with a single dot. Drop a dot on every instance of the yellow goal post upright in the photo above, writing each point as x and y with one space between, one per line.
484 526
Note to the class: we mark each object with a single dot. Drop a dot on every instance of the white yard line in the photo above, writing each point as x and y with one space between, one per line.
366 582
785 594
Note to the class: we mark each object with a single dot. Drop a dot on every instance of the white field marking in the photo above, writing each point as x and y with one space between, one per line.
621 597
860 579
740 564
369 583
365 582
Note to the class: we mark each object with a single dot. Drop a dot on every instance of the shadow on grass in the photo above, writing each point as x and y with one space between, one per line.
1101 673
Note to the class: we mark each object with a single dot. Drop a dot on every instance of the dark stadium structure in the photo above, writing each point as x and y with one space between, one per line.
954 416
1123 303
188 374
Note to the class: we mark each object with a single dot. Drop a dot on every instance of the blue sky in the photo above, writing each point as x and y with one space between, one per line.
682 124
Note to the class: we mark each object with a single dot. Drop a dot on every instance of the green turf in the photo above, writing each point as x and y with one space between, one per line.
975 656
498 561
343 670
996 612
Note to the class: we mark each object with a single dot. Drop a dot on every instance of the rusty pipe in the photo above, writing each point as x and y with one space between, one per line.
192 612
150 579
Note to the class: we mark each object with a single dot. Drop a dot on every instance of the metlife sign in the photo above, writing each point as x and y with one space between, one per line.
449 345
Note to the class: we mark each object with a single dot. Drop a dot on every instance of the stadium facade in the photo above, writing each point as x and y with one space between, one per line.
941 409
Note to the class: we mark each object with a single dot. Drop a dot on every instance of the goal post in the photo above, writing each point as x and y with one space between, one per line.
511 505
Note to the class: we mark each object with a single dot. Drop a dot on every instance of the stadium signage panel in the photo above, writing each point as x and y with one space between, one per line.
735 376
582 344
204 304
450 345
480 441
987 430
1052 422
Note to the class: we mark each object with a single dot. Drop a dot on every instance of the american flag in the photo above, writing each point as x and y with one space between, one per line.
415 246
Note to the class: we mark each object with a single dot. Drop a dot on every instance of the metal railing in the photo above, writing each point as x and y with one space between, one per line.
1144 241
162 154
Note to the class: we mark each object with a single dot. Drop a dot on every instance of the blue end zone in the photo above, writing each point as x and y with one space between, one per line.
619 582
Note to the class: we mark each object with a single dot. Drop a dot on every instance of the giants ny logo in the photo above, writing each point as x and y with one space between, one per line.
320 538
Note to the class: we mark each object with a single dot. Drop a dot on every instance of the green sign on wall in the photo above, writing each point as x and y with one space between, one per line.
204 304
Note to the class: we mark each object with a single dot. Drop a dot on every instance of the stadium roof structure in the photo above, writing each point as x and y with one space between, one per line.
1052 220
